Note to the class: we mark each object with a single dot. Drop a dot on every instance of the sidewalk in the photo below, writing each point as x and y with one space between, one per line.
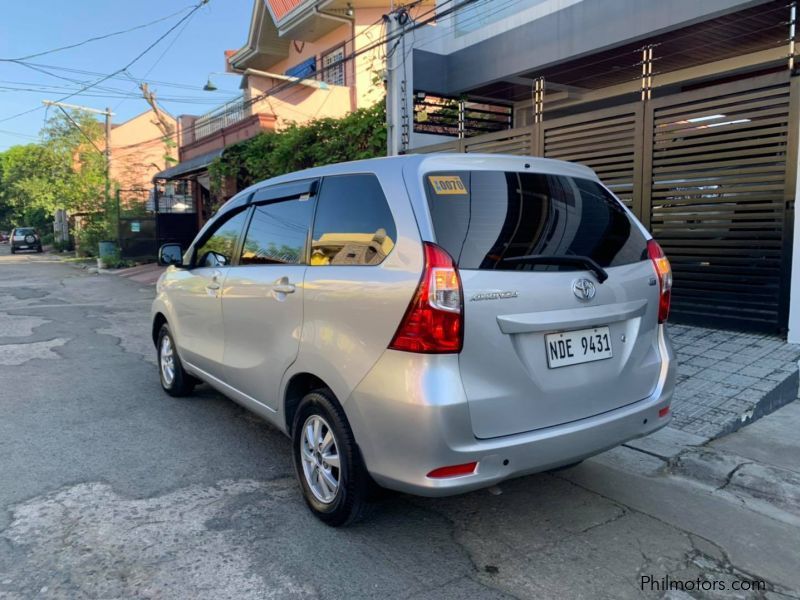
728 379
147 274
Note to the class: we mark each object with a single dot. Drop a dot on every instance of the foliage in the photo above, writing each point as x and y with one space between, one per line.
64 170
62 246
115 261
361 134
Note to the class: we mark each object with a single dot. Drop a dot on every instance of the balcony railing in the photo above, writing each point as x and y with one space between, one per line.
219 118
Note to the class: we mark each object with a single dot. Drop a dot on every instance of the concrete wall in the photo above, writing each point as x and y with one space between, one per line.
238 132
298 103
546 33
138 151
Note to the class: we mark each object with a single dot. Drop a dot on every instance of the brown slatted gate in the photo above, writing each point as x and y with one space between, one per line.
718 195
711 172
609 141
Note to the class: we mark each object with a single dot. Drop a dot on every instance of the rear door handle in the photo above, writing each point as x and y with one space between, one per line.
283 288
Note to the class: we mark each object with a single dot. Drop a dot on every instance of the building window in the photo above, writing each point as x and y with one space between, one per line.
333 66
305 70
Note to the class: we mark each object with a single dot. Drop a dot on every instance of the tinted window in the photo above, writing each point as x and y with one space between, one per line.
354 225
484 217
277 233
25 231
218 249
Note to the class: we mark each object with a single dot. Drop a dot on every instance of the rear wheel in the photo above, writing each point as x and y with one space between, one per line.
174 380
332 475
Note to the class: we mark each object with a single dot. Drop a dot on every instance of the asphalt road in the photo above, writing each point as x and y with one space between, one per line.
111 489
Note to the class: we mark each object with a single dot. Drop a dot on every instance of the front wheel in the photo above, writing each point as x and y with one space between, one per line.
175 381
332 475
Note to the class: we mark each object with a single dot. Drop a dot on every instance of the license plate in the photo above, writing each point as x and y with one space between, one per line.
576 347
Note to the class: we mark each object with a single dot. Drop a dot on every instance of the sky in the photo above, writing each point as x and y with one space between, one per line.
184 58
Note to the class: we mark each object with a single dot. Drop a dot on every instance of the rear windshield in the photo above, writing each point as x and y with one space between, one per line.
483 218
25 231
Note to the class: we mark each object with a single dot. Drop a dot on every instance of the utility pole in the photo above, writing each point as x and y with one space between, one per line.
107 152
395 83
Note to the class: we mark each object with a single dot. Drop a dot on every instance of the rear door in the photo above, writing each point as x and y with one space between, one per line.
545 341
262 302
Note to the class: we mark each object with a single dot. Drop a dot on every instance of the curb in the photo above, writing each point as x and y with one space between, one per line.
741 477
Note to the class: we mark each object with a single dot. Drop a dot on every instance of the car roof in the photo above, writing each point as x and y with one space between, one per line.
440 161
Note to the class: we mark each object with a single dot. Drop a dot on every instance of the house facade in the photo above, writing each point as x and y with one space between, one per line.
302 60
139 150
688 111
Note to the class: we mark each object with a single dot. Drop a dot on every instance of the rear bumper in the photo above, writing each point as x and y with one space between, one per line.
410 416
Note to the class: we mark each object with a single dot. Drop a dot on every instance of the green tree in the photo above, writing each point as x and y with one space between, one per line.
361 134
65 170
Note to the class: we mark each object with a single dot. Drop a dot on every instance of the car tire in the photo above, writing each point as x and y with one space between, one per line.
13 250
174 379
348 500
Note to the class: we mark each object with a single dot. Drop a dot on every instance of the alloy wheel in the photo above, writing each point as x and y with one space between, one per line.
167 361
320 458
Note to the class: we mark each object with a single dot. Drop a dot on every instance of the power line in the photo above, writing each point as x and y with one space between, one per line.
158 60
125 68
122 77
95 38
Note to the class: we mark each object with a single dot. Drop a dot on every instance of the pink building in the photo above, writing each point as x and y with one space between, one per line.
302 60
139 150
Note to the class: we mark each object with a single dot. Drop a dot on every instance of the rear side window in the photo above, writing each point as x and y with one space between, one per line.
483 218
277 233
353 225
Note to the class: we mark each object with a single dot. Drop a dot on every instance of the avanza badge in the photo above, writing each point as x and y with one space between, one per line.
447 185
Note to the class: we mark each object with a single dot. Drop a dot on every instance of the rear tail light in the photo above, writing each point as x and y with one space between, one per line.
434 320
453 471
664 273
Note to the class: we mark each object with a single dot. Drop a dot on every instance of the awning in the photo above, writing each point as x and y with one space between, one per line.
198 163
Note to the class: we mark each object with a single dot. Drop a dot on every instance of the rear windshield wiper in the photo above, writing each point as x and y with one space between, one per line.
570 260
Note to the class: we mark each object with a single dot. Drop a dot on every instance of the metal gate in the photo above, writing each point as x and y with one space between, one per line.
609 141
720 170
711 172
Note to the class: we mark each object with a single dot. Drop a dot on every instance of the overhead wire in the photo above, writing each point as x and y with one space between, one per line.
125 68
96 38
285 86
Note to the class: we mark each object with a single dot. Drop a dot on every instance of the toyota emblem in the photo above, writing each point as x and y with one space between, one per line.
583 289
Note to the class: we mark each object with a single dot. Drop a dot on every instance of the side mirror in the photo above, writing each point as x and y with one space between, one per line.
170 254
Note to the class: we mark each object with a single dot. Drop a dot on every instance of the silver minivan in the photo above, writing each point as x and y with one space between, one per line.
427 323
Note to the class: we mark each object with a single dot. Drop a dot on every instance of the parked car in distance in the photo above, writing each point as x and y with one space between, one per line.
3 237
25 238
429 324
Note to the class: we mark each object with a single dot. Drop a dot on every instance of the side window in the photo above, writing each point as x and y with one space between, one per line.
218 248
354 225
277 233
